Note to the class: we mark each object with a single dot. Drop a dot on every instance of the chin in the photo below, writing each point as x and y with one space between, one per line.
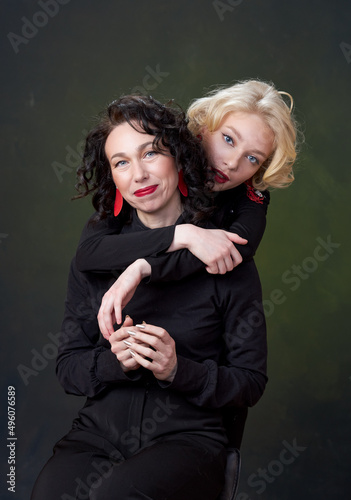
221 187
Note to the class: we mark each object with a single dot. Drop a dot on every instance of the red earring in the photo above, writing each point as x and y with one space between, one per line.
118 203
181 184
199 136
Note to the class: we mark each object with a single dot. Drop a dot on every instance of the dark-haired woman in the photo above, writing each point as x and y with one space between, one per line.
152 427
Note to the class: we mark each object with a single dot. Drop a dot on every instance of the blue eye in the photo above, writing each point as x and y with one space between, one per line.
121 163
150 154
228 139
253 159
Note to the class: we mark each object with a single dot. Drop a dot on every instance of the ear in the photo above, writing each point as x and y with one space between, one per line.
203 130
202 133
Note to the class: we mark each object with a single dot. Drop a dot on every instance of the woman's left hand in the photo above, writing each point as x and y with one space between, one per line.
161 353
118 296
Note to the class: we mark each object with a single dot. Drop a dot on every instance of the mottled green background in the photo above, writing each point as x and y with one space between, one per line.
82 58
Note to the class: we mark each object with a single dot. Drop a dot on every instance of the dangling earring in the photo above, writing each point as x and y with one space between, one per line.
199 136
181 184
118 203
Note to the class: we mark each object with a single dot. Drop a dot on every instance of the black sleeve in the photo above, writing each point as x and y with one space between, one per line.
85 363
241 378
243 211
101 248
174 266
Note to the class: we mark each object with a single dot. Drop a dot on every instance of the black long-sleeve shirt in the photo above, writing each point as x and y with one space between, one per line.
218 326
103 248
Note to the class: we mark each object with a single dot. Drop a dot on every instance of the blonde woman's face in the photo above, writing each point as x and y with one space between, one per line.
237 149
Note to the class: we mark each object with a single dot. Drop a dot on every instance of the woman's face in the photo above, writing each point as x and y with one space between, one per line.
237 149
146 179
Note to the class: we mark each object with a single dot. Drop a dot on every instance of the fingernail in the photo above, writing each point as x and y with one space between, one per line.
127 343
130 332
127 316
140 326
132 352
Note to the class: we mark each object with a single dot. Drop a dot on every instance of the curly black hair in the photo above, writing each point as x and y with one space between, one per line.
169 127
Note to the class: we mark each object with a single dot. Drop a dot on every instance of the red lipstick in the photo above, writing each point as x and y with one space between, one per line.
220 177
145 191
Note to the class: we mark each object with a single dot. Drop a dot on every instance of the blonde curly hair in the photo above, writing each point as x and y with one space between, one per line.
262 99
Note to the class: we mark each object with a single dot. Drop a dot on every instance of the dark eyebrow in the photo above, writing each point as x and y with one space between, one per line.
139 148
256 151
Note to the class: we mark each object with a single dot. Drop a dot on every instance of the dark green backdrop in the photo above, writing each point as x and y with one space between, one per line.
58 70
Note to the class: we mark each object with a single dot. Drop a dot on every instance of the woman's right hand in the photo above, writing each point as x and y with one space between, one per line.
119 341
214 247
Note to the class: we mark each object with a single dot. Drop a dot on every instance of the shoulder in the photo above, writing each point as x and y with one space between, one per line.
243 192
242 200
94 227
260 197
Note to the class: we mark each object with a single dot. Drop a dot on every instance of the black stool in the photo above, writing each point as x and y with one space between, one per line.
234 420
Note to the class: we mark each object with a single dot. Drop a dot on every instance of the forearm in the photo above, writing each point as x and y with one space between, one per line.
89 371
178 262
207 384
85 363
174 266
209 248
246 217
253 232
183 237
102 248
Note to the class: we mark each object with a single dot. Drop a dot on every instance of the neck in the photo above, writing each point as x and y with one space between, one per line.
167 217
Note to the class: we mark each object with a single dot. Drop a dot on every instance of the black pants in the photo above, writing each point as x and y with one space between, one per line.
182 467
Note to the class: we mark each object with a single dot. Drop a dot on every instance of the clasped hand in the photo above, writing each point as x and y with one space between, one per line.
145 345
214 247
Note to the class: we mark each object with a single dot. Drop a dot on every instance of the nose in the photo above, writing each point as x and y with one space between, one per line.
139 171
232 161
